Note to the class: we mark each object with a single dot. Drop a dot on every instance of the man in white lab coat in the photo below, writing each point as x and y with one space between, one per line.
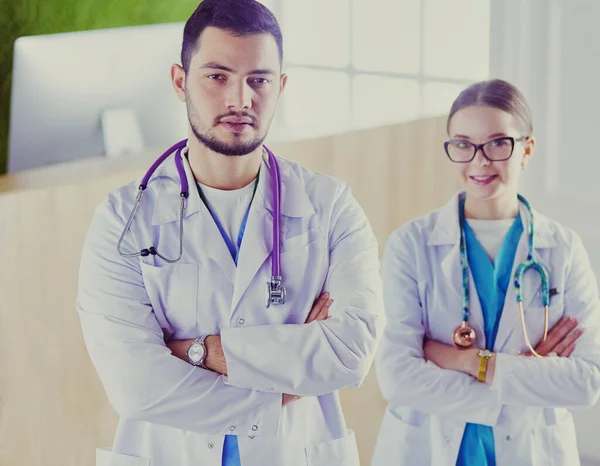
199 370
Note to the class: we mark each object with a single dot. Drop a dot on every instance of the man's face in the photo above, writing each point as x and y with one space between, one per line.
231 90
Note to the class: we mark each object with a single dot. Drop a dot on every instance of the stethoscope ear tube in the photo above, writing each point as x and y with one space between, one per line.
276 292
138 198
524 327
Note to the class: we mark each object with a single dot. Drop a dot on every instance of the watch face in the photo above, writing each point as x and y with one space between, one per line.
196 352
485 353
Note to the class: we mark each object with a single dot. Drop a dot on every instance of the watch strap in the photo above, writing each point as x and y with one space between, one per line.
484 358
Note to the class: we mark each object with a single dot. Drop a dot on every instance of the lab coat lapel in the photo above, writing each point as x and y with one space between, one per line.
452 270
168 192
200 233
258 238
206 232
207 235
510 313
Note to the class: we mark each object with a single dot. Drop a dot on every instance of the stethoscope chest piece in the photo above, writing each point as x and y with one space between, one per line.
464 336
275 292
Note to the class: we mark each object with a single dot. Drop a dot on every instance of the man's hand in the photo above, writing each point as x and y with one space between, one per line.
561 339
287 399
319 311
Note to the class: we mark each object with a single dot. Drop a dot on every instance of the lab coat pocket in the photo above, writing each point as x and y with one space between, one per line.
559 443
106 457
305 258
339 452
173 292
299 242
534 319
403 440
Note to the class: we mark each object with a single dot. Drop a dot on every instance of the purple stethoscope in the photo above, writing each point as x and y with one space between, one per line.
275 292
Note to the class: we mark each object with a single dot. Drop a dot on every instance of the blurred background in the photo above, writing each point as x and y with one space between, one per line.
352 64
84 105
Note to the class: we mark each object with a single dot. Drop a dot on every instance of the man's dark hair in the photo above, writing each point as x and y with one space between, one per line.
238 17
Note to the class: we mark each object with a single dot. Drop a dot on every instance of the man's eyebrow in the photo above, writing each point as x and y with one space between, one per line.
212 65
263 71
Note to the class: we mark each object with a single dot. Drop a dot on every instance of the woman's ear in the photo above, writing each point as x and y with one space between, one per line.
529 151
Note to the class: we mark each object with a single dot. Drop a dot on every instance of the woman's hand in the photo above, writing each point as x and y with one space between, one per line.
452 358
561 339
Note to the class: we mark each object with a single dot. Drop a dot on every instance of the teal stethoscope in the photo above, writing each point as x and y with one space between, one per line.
464 336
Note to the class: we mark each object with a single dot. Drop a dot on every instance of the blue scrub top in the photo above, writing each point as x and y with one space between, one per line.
491 281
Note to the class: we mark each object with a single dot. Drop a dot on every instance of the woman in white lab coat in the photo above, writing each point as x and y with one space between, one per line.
462 385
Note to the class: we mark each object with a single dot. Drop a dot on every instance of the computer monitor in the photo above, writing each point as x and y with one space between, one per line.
67 87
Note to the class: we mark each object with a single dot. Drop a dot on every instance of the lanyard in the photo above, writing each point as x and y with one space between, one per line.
232 249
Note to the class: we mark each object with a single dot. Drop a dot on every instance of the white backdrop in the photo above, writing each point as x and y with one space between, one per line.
550 49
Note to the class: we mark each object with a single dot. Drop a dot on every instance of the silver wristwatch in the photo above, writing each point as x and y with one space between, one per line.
196 353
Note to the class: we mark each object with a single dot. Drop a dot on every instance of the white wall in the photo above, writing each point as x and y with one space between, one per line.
550 50
368 63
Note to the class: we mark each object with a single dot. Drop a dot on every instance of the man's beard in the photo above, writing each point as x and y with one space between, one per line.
215 144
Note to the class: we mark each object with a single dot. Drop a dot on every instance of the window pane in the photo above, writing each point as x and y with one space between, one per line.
316 32
386 35
438 97
457 39
317 100
380 100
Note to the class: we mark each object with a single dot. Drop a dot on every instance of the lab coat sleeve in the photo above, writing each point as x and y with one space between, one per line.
405 377
557 381
323 356
142 379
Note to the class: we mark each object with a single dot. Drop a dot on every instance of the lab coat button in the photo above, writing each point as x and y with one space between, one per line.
508 438
211 445
241 321
251 437
254 428
232 428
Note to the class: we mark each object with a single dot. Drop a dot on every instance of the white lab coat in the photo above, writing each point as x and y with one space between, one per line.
428 407
172 413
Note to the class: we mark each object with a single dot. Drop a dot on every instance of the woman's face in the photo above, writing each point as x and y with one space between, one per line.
481 178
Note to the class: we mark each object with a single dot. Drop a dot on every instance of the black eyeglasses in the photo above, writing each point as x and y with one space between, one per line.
496 150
